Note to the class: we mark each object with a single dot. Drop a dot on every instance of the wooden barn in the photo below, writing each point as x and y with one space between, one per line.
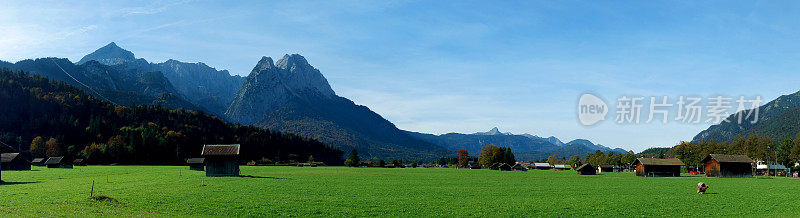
726 165
605 169
221 160
473 165
504 167
38 161
586 169
655 167
197 163
14 161
57 162
519 167
79 162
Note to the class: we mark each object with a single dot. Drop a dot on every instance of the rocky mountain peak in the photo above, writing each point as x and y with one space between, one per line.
110 54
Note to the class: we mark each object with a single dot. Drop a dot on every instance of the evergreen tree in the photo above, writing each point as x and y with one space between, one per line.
353 160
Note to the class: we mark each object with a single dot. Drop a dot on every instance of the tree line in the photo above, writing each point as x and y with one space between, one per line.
50 118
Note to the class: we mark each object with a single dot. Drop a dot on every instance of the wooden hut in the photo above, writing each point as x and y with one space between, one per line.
519 167
605 169
38 161
57 162
14 161
655 167
197 163
504 167
79 162
586 169
542 166
221 160
726 165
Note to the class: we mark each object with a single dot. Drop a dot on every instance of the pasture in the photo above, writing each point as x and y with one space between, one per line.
341 191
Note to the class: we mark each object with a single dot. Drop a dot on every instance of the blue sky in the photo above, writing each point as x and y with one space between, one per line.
455 66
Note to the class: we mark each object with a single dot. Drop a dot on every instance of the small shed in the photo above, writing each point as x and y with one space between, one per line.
586 169
197 163
727 165
38 161
221 160
79 162
57 162
542 166
504 167
14 161
655 167
519 167
605 169
473 165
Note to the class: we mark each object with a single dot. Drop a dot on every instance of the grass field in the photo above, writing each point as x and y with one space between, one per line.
340 191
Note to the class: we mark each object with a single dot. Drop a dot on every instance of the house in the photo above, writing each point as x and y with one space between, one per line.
771 169
605 169
197 163
726 165
38 162
519 167
542 166
560 167
221 160
655 167
14 161
79 162
586 169
57 162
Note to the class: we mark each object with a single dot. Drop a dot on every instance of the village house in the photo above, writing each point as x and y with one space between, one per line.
655 167
221 160
726 165
14 161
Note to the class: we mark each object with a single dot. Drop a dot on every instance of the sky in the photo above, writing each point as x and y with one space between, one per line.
456 66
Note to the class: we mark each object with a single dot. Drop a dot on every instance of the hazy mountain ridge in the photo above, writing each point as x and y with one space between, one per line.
524 146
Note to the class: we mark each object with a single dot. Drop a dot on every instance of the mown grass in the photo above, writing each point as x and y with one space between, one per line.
340 191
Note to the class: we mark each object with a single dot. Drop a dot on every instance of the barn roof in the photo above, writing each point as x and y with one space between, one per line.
589 166
53 160
606 166
8 157
37 160
220 150
197 160
78 161
562 166
728 158
660 162
541 164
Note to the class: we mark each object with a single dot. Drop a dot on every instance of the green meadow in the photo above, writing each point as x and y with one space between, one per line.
417 192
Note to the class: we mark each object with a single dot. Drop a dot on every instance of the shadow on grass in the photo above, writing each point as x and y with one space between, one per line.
260 177
15 183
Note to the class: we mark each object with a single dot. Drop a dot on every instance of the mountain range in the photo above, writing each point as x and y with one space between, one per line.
287 95
524 146
777 119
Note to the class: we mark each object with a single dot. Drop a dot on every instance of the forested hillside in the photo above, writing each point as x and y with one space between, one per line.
53 119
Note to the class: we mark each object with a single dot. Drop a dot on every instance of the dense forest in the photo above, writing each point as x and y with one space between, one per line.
51 118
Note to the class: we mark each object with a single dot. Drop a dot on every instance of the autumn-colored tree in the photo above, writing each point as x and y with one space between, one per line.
463 157
37 147
487 155
553 159
53 148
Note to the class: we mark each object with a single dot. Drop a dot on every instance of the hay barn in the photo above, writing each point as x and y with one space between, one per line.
605 169
197 163
519 167
38 161
655 167
586 169
14 161
221 160
57 162
727 165
504 167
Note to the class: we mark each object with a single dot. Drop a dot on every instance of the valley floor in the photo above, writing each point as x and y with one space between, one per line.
341 191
